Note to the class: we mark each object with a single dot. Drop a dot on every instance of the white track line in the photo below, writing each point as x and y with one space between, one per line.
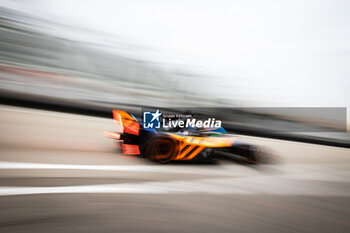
231 170
235 170
264 185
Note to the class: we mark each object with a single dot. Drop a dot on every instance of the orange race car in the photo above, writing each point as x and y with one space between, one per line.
187 143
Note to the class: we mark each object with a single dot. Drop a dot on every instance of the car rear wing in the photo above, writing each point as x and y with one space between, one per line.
127 122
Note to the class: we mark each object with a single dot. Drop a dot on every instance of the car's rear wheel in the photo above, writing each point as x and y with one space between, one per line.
161 150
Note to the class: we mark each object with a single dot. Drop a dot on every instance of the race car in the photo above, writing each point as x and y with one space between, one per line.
189 144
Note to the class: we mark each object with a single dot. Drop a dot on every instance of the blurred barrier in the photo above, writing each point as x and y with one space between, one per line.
43 69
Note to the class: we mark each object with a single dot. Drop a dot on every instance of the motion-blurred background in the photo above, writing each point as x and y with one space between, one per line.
275 70
249 53
184 54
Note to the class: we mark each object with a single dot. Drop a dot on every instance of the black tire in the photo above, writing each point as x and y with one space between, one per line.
161 149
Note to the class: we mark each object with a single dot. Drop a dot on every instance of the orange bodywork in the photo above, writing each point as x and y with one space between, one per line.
191 146
130 149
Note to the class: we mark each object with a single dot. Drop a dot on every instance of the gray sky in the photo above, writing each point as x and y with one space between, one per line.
266 53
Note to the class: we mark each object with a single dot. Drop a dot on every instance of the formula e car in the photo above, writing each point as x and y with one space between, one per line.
164 146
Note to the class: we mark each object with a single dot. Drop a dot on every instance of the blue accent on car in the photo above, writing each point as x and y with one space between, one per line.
134 117
217 130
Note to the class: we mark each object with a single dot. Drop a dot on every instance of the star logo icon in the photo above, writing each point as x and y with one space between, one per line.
155 115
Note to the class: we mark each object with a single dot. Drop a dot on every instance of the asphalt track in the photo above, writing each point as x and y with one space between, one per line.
58 173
